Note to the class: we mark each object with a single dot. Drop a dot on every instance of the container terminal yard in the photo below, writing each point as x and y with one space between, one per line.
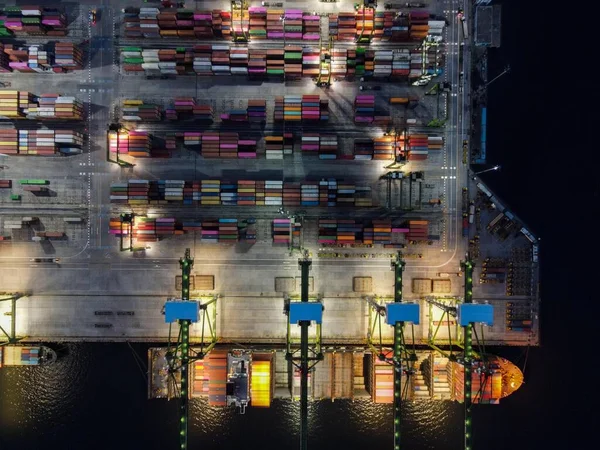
283 192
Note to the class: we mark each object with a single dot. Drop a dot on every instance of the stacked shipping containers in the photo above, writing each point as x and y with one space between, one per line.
416 64
137 110
182 23
55 106
379 25
292 193
40 142
342 231
311 27
240 20
228 194
365 22
274 147
257 62
273 193
137 192
33 21
364 109
220 231
439 377
383 60
293 61
292 24
209 194
20 356
49 142
258 22
383 148
4 60
419 25
417 147
68 55
275 62
270 193
382 231
382 388
220 63
418 230
257 111
311 59
246 192
36 58
132 143
363 149
435 142
328 146
281 231
217 377
13 104
199 376
310 142
484 389
202 63
239 61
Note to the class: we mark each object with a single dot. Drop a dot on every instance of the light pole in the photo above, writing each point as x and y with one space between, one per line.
496 167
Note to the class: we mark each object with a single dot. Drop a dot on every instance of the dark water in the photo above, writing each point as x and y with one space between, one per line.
94 397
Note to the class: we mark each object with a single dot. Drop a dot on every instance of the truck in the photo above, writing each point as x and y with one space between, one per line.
471 212
495 276
520 323
465 226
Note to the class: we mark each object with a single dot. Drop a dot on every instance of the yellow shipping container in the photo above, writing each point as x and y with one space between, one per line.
260 384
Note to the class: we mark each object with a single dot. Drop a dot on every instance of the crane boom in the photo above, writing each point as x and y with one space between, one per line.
186 263
187 311
468 350
304 265
398 348
303 313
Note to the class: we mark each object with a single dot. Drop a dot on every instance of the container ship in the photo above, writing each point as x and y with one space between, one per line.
21 355
254 378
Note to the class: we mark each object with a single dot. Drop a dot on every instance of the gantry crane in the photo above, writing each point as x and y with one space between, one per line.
127 222
367 5
240 6
303 313
11 337
114 131
185 312
404 355
467 313
324 77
